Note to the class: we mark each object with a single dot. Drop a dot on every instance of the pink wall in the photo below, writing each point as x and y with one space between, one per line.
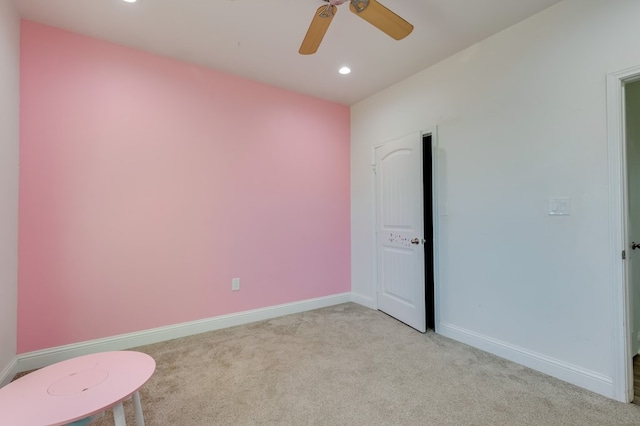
147 184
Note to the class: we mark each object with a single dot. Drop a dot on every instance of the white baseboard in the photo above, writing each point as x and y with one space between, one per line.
573 374
362 300
578 376
38 359
6 375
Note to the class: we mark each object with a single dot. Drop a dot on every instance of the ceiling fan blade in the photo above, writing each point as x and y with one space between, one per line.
382 18
321 20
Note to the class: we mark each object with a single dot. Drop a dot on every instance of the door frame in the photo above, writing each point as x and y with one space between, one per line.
433 131
618 212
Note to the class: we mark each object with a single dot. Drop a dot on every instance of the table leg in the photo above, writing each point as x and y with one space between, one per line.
138 407
118 415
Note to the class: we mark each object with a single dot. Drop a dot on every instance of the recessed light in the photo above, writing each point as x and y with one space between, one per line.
344 70
130 1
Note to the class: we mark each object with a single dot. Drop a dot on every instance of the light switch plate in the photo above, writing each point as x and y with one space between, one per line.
559 206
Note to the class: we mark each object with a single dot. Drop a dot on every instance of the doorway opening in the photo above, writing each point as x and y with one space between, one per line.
429 246
406 229
632 196
624 177
636 380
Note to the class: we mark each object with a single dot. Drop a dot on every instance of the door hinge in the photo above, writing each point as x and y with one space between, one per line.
624 254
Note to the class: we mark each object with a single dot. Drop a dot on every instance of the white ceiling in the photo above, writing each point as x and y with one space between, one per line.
259 39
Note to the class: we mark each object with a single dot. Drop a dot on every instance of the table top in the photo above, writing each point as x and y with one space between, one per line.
74 389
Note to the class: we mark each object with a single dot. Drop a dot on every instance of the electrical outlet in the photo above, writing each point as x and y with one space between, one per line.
235 284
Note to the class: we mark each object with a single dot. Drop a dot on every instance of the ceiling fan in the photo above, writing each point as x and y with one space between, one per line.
370 10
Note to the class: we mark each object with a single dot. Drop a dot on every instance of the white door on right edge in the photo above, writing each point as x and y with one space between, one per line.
400 230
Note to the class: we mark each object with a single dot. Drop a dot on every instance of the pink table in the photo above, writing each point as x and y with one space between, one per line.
77 388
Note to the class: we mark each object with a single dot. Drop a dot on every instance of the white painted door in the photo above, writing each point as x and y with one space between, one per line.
400 230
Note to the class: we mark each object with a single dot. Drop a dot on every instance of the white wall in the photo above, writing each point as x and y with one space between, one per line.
521 117
9 104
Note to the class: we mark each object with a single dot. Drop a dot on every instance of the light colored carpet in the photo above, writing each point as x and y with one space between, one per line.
349 365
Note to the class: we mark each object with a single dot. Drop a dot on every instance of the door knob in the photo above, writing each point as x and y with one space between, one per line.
417 241
633 246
